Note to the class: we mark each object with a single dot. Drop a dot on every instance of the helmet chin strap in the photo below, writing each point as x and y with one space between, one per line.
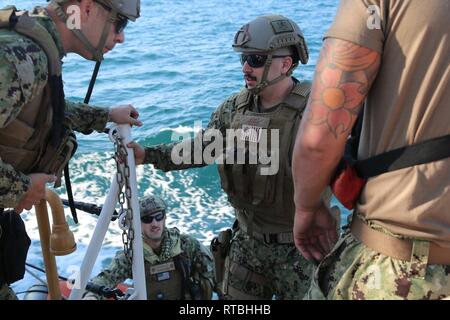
264 83
97 53
112 17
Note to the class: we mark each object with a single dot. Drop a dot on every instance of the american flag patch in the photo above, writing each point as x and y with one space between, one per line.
251 133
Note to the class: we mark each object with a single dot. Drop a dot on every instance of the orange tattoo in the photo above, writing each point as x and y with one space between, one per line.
344 74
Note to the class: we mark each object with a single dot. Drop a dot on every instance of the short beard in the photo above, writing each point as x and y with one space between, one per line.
154 238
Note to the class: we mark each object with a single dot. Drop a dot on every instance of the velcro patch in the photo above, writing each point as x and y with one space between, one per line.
282 26
163 276
252 128
165 267
250 133
253 121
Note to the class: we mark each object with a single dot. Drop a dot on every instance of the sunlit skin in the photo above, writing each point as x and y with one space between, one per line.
274 94
343 77
152 232
93 18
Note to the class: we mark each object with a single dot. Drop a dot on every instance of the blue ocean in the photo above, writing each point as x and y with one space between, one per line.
176 66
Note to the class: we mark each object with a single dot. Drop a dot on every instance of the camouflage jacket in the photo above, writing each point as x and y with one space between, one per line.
23 75
173 244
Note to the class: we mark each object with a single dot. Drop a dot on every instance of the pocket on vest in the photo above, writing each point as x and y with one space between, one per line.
16 134
20 159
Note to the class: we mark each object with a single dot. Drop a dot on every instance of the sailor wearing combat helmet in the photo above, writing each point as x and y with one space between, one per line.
177 266
261 261
36 122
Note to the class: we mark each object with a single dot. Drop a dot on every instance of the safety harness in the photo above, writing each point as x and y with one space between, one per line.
351 174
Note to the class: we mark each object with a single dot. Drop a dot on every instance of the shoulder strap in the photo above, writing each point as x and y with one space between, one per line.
8 17
302 89
243 98
424 152
352 144
299 95
29 27
183 267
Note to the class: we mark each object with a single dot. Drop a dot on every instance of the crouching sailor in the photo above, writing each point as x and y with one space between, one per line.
177 266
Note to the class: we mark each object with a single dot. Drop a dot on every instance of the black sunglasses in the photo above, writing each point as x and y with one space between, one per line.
120 25
149 219
121 22
256 60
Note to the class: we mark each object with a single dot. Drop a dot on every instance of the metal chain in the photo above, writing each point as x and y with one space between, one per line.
123 178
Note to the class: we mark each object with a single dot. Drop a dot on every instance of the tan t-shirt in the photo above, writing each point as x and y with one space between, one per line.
408 103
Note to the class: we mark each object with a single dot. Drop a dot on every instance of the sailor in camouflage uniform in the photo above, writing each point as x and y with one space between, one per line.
36 122
177 266
262 261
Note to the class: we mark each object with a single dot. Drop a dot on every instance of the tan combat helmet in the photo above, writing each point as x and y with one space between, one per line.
119 10
129 9
272 35
151 204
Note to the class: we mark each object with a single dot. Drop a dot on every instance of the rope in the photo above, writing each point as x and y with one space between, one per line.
42 270
34 275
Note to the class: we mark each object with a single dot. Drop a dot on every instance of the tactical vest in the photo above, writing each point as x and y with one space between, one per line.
164 281
170 280
246 187
25 141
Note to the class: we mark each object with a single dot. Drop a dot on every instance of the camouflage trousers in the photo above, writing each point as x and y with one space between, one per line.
6 293
353 271
256 270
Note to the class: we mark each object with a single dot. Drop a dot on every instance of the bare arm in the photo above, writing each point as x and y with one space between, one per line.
344 75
